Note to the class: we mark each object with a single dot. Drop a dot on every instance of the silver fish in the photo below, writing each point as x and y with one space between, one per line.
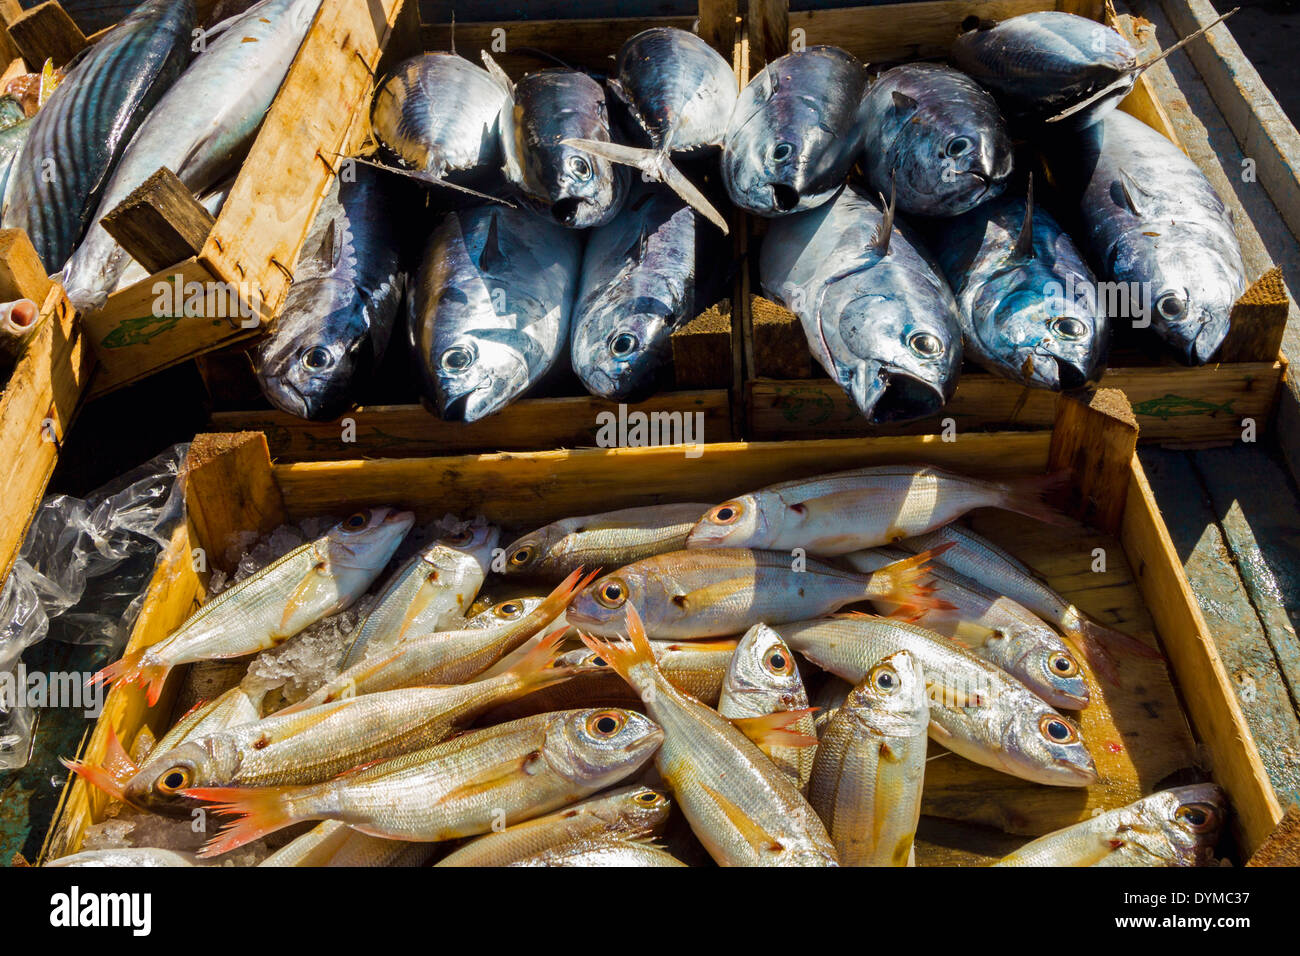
565 183
795 132
1153 220
199 130
637 285
336 844
490 312
878 316
1027 301
1177 827
336 321
682 92
935 137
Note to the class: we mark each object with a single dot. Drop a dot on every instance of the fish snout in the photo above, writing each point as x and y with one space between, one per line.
784 198
566 210
889 395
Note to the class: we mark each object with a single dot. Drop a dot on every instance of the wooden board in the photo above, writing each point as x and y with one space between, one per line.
253 248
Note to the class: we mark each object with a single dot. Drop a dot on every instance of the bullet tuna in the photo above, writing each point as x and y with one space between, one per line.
337 319
1027 301
78 136
638 285
1157 225
681 92
490 312
878 316
935 137
795 132
565 183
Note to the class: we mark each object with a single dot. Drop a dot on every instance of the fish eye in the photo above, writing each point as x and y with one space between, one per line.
509 609
598 661
1170 306
357 521
458 537
580 167
925 344
522 555
1068 327
957 145
612 594
884 679
1057 729
782 151
178 778
726 513
1199 817
649 798
457 359
622 344
1063 665
778 661
605 724
316 358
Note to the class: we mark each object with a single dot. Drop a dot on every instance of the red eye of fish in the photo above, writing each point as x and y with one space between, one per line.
1063 665
612 594
726 513
1199 817
884 679
521 556
1057 729
175 779
605 724
778 661
357 521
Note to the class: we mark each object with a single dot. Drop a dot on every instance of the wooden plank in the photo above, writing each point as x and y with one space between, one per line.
36 409
1171 404
718 24
175 593
1282 848
1142 101
409 430
702 352
22 276
230 495
1203 680
1095 439
160 223
767 27
1258 321
47 32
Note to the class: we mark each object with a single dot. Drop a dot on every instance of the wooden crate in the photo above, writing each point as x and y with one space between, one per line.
706 351
1141 735
787 396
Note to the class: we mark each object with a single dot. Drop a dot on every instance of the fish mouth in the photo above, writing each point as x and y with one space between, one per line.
784 198
895 396
565 211
458 409
1207 341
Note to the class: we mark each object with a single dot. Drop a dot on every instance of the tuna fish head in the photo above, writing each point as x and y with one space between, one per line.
1046 340
584 190
1192 290
620 356
479 374
905 359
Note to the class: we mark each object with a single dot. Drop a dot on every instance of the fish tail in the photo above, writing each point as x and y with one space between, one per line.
564 593
656 164
901 583
624 656
537 667
1097 642
112 776
261 810
1029 497
131 669
773 730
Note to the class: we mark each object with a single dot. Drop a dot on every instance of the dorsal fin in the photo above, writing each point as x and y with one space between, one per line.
903 101
453 32
636 248
1025 243
880 238
328 252
492 259
1133 192
497 73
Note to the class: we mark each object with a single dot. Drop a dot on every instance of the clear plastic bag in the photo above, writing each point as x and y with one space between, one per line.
82 573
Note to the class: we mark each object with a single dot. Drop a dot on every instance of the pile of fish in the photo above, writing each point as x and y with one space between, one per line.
503 706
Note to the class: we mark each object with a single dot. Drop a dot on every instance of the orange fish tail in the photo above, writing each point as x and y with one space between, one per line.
902 583
1030 496
774 730
622 655
261 810
537 668
131 669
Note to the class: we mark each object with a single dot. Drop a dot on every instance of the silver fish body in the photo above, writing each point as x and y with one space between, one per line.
491 308
795 131
680 89
884 326
335 844
637 286
1155 225
933 138
1177 827
602 853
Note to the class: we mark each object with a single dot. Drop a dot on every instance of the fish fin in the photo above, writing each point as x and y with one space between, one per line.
750 831
1097 641
430 179
563 594
492 259
623 656
330 245
656 165
1028 497
885 229
1133 192
904 102
1025 242
951 696
900 582
131 669
537 667
637 247
773 730
116 760
498 74
1143 67
112 775
261 810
